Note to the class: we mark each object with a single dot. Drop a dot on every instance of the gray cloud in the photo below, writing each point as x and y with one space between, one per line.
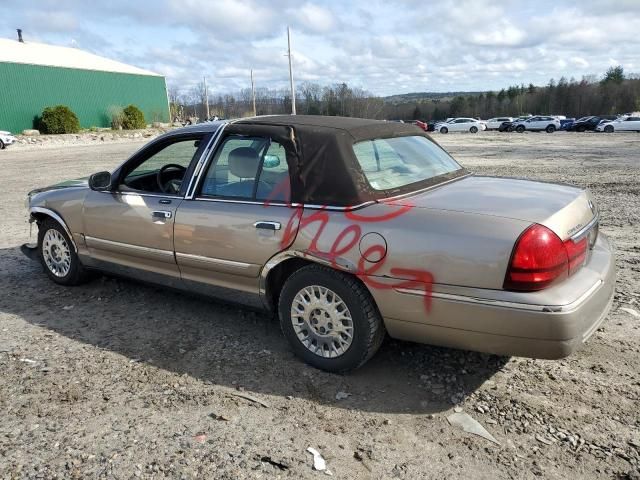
386 48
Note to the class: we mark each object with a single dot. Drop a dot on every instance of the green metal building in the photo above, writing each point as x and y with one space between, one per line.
34 76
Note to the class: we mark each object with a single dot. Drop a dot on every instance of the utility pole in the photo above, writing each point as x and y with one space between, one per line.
206 96
253 94
293 91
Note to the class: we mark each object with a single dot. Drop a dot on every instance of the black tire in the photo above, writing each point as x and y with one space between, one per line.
520 128
550 128
444 130
473 129
2 145
510 128
368 326
609 129
582 129
76 274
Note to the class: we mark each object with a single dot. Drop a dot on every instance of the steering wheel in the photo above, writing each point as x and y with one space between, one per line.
173 185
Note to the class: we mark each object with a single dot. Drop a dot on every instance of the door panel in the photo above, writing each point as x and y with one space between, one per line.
122 228
237 221
217 243
132 225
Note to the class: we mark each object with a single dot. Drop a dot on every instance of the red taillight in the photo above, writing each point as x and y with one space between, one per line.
577 253
540 258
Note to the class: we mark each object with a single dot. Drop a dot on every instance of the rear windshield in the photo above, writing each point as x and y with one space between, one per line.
394 163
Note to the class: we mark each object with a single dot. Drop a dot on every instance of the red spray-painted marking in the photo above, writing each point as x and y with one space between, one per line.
418 279
348 238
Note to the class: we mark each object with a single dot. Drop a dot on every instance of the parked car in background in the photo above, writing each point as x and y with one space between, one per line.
494 123
509 126
589 123
431 124
538 124
565 123
370 228
630 123
6 139
421 125
461 124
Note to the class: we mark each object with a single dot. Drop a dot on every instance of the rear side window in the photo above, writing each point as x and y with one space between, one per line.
250 168
391 163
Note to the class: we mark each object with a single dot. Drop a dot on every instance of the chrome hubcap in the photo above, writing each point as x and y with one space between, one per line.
322 321
56 253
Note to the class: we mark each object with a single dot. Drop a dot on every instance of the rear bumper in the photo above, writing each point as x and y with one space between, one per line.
505 327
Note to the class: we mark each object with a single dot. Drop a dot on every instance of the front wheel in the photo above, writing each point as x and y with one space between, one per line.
2 145
608 129
444 130
551 128
473 129
58 256
330 319
520 128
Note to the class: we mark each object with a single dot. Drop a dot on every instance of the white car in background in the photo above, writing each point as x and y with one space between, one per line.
461 124
538 124
494 123
6 139
624 123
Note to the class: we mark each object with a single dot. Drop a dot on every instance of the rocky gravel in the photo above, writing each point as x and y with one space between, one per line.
116 379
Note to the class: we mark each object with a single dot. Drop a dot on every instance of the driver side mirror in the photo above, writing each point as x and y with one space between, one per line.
100 181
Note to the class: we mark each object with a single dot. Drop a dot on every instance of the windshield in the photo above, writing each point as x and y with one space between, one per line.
393 163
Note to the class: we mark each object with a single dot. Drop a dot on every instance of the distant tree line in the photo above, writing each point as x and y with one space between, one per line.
614 93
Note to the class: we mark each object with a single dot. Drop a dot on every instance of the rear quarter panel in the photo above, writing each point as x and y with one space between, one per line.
442 247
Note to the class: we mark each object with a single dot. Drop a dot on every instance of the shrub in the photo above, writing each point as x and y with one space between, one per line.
116 114
59 119
133 118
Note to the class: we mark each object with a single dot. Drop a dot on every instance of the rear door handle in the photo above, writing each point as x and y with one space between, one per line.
266 225
160 215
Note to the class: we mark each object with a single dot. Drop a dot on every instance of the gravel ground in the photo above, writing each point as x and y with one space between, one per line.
119 380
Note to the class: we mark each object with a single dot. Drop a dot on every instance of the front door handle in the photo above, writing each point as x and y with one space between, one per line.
160 215
266 225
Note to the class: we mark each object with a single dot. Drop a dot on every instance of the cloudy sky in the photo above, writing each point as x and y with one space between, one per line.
383 46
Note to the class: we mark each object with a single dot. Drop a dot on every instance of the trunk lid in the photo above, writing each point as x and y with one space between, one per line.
562 208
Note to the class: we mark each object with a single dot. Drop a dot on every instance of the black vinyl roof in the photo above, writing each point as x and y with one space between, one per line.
323 167
359 128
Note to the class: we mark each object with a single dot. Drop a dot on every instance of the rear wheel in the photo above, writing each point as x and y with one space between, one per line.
520 128
58 256
550 128
330 319
473 129
2 145
608 129
444 130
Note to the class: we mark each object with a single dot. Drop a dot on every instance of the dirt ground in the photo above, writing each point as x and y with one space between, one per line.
120 380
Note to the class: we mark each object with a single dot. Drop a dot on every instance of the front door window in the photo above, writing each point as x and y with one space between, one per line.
163 169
